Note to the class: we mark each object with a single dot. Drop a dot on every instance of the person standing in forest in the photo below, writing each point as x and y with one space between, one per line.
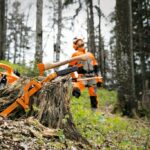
87 69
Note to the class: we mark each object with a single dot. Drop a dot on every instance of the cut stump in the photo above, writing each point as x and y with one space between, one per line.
50 105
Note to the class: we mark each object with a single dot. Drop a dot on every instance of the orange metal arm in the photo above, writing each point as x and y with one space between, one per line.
8 69
23 100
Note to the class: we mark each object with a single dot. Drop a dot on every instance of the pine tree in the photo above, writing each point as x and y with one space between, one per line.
17 35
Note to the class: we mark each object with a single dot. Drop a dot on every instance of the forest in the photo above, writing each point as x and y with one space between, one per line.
75 74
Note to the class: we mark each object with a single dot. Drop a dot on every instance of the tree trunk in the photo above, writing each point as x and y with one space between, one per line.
21 42
88 26
2 29
57 48
100 43
125 68
91 28
15 43
145 102
59 29
39 33
141 48
131 55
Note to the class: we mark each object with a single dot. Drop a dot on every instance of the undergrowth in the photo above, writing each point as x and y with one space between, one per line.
106 130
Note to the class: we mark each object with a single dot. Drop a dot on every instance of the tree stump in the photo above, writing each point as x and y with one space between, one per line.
50 105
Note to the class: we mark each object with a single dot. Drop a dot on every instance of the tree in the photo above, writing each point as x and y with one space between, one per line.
125 68
17 35
140 46
2 29
39 32
141 37
91 29
59 31
100 50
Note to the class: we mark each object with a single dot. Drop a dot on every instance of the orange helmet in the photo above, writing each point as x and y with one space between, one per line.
75 41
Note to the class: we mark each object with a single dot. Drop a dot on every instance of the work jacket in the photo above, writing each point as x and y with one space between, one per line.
87 68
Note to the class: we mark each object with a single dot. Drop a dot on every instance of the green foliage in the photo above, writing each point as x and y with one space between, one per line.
107 98
61 135
23 70
35 108
107 130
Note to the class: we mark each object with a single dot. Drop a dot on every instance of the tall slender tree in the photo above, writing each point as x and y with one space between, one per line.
92 47
100 50
59 31
39 32
2 29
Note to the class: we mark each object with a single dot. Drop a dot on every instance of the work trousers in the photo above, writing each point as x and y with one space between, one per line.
80 85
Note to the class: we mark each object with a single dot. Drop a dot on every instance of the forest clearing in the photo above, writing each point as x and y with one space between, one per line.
75 74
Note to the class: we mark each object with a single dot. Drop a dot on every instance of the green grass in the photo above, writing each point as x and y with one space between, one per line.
106 130
107 98
23 70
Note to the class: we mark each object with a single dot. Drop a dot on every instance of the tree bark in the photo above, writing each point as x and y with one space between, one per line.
125 68
2 29
131 55
141 48
39 32
91 28
15 43
59 31
88 26
100 52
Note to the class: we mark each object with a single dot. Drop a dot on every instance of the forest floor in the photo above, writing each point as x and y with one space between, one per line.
104 130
